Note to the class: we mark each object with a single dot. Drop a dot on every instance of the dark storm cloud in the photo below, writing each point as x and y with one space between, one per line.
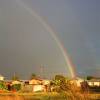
25 44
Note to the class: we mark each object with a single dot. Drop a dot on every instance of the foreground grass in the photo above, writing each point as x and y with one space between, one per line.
48 96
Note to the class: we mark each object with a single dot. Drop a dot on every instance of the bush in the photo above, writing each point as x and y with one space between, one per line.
16 87
59 84
2 85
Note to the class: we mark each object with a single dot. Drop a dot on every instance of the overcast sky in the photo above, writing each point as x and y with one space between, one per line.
26 45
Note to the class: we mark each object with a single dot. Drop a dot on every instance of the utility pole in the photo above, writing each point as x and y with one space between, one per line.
41 71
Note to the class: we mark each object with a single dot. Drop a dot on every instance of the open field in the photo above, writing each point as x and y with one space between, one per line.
46 96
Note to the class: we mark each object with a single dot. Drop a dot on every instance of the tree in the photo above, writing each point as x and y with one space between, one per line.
89 77
33 76
85 86
16 87
60 83
60 77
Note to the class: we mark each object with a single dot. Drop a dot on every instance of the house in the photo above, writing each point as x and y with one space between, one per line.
35 82
46 82
16 82
77 81
36 85
1 78
94 82
39 84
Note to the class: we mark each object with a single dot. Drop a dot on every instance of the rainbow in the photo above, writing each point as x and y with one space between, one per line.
53 34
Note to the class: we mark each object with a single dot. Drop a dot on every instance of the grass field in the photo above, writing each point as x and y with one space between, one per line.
47 96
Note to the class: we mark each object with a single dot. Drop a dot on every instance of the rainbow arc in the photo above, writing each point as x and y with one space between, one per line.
53 34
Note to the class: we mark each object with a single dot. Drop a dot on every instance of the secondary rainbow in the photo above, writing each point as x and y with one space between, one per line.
53 34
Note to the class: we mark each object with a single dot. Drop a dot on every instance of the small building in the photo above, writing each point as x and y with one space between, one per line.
35 82
36 85
46 82
77 81
16 82
1 78
94 82
39 84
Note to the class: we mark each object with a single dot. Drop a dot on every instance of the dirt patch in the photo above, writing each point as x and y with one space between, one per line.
11 98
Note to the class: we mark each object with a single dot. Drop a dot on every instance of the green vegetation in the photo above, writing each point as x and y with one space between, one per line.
89 77
2 85
16 87
60 84
33 76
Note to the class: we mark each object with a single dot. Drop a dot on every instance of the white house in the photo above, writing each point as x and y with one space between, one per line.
36 85
46 82
94 82
1 78
35 82
39 84
77 81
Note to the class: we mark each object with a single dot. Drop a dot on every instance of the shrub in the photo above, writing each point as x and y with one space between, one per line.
16 87
2 85
59 84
